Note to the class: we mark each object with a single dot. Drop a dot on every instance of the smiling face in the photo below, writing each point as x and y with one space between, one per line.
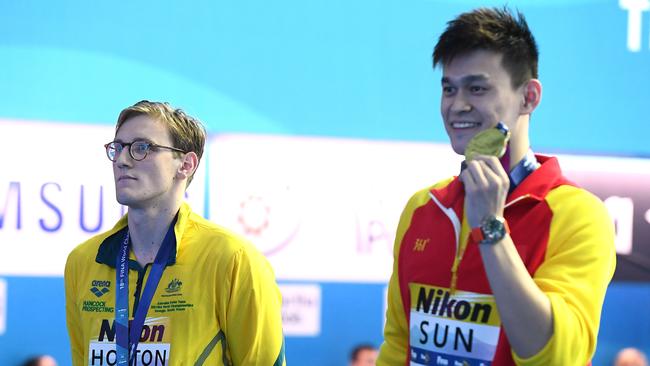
477 94
150 182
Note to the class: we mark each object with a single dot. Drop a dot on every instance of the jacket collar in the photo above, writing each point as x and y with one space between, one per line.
541 181
110 246
536 185
522 170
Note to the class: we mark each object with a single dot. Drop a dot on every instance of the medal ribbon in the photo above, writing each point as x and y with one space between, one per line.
128 335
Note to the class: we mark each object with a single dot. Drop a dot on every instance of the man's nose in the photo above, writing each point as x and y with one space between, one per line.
460 103
123 158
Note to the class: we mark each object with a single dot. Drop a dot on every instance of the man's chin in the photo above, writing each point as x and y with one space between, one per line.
126 200
458 148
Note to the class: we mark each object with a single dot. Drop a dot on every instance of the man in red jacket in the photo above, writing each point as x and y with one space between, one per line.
508 263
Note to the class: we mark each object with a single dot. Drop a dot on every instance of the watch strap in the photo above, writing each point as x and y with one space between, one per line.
478 236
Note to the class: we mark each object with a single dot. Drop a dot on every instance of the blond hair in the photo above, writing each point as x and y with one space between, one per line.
187 133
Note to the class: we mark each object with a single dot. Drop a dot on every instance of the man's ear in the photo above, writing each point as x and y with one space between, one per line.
532 91
188 165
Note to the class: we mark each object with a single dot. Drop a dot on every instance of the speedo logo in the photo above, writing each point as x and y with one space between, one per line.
439 302
99 288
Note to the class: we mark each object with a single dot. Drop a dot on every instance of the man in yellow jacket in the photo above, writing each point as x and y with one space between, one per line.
165 286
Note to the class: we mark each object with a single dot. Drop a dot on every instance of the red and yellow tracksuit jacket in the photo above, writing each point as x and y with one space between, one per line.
565 238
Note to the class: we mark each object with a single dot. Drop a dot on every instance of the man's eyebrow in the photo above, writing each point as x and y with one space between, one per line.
466 79
137 138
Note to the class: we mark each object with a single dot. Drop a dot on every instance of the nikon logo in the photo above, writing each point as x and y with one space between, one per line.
440 303
149 333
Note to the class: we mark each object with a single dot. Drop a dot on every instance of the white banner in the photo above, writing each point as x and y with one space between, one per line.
56 190
301 310
321 209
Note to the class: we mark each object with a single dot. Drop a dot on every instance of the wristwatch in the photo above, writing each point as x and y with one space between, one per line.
492 230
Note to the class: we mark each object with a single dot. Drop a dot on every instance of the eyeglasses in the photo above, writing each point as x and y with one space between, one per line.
137 149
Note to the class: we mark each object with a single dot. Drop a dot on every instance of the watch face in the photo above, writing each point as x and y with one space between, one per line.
493 229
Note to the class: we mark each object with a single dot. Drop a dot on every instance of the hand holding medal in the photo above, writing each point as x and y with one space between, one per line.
485 178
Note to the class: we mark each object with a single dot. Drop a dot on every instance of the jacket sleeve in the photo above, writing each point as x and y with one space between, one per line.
578 266
253 325
73 320
393 350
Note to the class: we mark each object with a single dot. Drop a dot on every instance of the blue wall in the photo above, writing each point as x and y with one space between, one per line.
335 68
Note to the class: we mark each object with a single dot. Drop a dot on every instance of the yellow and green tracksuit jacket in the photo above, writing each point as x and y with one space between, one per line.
217 302
565 238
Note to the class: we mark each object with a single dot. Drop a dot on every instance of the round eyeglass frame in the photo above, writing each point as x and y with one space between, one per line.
113 146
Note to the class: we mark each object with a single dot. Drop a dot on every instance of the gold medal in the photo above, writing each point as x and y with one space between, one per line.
492 141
